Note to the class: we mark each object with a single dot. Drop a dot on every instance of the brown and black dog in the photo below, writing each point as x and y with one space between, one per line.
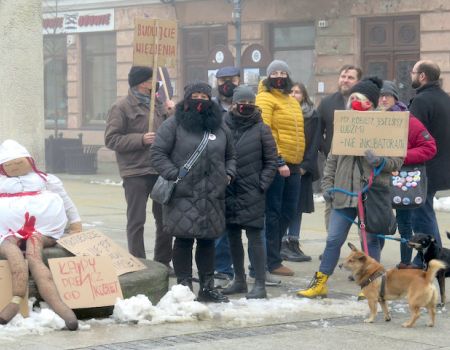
428 247
379 285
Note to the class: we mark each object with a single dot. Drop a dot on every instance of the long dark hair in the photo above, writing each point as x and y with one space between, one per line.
286 90
304 92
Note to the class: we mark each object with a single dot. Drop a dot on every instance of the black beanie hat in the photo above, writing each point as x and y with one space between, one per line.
369 87
197 86
139 74
243 93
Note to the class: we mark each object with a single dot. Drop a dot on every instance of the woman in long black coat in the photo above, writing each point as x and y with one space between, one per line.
290 247
256 154
196 210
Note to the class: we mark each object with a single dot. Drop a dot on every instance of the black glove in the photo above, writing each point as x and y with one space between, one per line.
328 196
372 158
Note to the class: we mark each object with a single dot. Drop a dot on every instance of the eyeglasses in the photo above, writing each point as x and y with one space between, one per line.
412 72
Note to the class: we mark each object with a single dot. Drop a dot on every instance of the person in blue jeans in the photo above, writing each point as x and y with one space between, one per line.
343 172
421 148
282 113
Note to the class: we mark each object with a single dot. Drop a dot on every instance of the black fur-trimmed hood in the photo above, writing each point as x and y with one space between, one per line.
211 119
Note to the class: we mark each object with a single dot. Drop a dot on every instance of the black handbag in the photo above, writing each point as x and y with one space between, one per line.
379 217
409 187
163 189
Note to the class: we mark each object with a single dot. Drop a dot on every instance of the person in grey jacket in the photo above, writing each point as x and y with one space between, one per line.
196 210
128 134
343 172
245 198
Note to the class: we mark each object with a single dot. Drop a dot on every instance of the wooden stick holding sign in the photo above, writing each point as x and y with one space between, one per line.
153 93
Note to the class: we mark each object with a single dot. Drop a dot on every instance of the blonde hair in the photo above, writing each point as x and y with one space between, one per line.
357 96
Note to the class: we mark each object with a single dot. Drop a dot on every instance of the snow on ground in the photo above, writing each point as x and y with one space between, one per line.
178 305
106 182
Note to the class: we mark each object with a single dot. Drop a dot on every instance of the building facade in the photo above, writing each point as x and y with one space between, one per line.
88 48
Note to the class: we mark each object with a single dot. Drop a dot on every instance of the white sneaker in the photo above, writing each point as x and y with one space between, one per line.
271 280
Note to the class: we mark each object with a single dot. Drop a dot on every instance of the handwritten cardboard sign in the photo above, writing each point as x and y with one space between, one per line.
386 133
6 289
155 37
85 281
95 243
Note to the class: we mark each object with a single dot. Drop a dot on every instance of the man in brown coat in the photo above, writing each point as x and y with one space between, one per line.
128 134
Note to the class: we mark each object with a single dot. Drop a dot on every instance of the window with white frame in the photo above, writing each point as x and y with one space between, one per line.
99 76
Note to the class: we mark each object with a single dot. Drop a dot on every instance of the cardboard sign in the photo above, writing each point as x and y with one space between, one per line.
385 133
6 289
85 281
95 243
155 37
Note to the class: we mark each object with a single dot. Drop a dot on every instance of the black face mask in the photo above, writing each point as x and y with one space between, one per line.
198 105
245 109
227 88
278 83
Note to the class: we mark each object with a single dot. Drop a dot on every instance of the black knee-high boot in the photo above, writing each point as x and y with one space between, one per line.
239 284
259 264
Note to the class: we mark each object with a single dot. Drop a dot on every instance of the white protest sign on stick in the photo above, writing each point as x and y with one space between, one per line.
385 133
95 243
85 281
6 289
155 45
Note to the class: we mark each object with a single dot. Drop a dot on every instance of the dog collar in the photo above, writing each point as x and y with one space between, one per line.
371 278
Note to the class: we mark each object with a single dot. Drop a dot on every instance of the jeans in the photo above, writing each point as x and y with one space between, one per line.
404 223
424 221
223 261
340 223
281 208
294 227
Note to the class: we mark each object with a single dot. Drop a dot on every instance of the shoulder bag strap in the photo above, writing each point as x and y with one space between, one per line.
194 157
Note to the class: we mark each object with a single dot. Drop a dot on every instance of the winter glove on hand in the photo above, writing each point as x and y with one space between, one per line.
372 159
328 196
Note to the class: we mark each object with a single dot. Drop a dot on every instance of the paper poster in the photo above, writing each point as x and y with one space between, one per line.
6 289
85 281
95 243
385 133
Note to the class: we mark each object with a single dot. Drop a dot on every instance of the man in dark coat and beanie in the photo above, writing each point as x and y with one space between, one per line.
257 156
196 210
431 106
128 134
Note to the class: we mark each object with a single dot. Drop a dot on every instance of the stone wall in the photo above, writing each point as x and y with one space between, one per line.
21 75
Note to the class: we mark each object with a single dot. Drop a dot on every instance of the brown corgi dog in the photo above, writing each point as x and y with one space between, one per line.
380 285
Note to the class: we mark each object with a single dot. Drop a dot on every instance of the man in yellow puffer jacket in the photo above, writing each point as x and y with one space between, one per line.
282 113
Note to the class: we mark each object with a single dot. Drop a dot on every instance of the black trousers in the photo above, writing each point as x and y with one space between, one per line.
137 191
255 247
182 257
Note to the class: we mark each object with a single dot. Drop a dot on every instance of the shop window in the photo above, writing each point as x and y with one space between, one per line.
99 77
55 81
294 44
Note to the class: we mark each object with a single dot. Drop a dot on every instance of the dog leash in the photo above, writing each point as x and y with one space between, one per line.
361 223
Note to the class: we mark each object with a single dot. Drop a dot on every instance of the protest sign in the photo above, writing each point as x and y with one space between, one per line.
85 281
95 243
385 133
6 289
155 38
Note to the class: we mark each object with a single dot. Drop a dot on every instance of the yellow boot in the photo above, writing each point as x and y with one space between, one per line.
317 287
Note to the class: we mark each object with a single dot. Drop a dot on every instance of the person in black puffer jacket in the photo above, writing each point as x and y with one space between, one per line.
196 210
245 196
